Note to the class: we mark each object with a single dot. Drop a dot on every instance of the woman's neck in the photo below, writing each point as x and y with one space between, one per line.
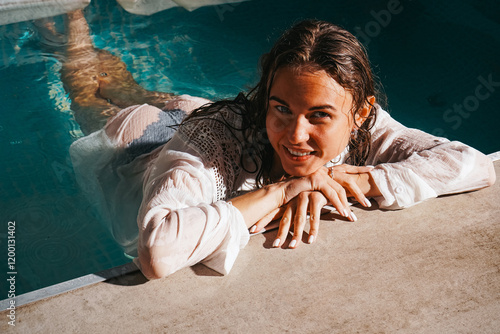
277 173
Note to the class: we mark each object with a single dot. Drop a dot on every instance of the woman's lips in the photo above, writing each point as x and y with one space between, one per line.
298 155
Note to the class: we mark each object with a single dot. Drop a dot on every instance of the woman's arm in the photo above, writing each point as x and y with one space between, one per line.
180 221
412 166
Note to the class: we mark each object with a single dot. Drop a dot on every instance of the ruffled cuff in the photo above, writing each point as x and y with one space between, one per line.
237 236
400 188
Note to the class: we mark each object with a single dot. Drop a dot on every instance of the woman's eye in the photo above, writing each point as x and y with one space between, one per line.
283 109
320 114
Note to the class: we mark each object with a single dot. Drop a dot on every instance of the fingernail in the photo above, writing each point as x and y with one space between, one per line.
370 166
292 243
345 213
367 203
353 217
311 239
276 243
253 228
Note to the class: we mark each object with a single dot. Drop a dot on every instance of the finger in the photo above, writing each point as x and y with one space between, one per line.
341 203
284 226
355 191
345 179
315 205
299 219
338 198
332 190
264 221
344 206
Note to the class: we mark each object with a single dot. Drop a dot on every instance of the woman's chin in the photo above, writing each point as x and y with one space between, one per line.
300 172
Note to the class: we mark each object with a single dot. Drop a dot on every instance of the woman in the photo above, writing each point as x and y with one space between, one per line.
301 139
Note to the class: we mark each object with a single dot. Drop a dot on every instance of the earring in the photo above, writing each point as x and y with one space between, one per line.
354 134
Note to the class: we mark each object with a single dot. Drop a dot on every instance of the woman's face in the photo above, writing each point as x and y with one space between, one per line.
308 121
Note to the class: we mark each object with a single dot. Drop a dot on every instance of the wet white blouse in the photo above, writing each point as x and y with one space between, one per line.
412 166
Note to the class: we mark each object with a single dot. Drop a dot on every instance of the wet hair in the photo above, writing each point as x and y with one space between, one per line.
310 45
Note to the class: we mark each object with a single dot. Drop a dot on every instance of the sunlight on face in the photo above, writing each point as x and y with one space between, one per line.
308 121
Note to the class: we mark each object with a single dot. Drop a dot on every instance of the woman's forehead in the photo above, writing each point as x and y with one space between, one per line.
313 86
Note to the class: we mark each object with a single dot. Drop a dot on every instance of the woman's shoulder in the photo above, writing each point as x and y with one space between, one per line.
390 138
215 130
216 121
216 134
382 116
385 124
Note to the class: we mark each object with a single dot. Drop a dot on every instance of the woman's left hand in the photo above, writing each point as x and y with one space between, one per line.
356 180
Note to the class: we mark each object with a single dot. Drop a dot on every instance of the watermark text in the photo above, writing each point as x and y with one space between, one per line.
11 272
460 111
381 19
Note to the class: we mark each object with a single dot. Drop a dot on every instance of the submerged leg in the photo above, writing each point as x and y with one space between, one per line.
117 84
80 76
98 82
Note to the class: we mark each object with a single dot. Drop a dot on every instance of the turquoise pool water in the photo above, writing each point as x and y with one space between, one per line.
437 60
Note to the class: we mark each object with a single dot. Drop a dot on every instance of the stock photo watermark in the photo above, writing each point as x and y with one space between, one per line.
381 19
222 9
461 111
11 272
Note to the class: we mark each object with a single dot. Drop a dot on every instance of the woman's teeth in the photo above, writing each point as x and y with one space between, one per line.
298 154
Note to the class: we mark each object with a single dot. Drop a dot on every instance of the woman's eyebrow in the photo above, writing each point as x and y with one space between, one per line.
321 107
277 99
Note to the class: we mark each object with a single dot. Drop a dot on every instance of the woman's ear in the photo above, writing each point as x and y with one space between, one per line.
363 114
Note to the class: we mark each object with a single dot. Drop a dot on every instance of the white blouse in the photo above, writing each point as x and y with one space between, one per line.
184 187
412 166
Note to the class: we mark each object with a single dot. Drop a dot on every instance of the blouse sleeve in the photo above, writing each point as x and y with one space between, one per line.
181 222
412 166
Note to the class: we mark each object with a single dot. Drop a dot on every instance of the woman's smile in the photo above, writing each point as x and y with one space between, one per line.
299 154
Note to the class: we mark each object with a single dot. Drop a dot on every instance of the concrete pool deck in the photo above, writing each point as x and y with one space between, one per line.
431 268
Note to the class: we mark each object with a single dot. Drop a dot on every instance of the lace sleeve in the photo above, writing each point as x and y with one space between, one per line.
218 141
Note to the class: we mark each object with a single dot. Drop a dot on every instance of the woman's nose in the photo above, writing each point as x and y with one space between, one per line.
298 131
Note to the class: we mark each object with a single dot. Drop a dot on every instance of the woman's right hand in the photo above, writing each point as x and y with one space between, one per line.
295 217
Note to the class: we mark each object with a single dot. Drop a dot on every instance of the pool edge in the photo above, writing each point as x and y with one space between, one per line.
73 284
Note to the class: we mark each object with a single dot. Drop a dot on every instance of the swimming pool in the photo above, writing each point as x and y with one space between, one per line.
438 62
